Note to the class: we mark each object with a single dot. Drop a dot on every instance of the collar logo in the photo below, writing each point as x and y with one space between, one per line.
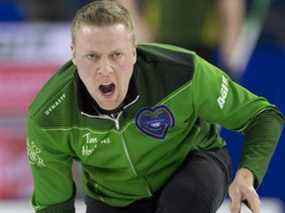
155 121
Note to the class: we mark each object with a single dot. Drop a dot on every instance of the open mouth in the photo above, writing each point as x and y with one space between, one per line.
107 89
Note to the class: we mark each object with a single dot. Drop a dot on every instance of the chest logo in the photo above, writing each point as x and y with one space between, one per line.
155 121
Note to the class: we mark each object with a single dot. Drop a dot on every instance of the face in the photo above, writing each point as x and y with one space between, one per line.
105 58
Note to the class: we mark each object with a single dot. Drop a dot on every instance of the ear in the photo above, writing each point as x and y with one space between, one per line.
135 54
72 48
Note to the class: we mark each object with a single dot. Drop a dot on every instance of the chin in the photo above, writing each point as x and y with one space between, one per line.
110 103
109 106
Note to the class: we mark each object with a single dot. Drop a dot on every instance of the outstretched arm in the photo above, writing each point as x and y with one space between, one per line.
54 189
261 138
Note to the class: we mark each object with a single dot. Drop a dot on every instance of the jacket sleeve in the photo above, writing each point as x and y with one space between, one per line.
51 166
219 100
261 138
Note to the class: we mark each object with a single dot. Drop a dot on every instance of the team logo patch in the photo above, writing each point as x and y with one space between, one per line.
155 121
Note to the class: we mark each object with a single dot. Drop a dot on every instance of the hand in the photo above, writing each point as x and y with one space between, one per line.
242 190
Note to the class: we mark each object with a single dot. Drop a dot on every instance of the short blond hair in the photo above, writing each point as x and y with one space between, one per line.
102 13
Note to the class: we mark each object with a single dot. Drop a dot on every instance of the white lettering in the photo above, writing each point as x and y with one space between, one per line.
89 139
92 143
55 104
223 92
156 124
105 141
86 151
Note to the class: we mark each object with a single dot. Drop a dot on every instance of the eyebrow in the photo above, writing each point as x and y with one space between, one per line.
97 53
92 52
117 50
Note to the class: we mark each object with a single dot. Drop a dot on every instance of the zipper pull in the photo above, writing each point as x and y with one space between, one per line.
117 125
117 120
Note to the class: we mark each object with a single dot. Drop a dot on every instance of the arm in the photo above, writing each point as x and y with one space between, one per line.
261 136
219 100
231 13
54 189
142 31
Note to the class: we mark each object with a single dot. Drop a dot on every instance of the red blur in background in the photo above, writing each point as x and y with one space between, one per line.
19 83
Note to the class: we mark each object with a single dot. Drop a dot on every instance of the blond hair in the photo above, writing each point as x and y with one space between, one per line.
102 13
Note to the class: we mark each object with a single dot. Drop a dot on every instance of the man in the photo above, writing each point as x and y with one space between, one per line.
141 120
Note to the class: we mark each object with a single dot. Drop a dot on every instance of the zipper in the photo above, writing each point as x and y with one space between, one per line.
116 120
132 165
117 125
128 155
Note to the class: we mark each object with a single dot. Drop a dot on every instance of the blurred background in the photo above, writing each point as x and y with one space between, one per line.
245 38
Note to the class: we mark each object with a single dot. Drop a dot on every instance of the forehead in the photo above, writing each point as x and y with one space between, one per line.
115 36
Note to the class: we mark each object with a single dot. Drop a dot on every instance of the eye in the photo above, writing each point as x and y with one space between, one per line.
92 57
117 55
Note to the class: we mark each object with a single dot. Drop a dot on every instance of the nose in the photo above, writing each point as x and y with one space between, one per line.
105 67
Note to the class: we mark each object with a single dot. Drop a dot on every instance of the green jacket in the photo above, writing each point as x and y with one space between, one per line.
174 102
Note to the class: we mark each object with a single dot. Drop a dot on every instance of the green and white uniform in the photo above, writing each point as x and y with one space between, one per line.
174 102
